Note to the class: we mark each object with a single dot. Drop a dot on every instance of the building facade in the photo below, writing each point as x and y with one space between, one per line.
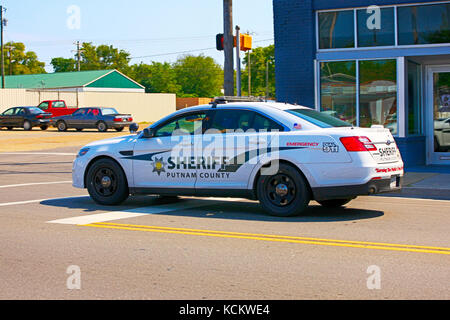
371 62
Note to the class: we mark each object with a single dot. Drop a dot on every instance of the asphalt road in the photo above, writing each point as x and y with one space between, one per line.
209 248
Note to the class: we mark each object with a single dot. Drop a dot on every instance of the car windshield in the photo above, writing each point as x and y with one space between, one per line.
35 110
108 111
320 119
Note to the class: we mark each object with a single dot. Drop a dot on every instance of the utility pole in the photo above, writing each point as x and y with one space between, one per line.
78 56
249 67
267 79
228 44
238 62
2 53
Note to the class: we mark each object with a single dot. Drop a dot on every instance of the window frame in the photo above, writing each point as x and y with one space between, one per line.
355 29
400 89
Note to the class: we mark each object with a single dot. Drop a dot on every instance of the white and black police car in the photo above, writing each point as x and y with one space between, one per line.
281 154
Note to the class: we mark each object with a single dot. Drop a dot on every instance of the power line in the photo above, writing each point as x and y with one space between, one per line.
187 51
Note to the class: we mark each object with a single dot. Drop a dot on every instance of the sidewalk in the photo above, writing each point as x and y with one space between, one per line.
428 182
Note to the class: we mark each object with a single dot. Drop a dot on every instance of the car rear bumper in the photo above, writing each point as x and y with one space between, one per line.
374 186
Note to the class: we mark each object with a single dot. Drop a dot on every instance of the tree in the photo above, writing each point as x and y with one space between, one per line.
103 57
19 61
92 57
258 60
198 76
64 65
156 77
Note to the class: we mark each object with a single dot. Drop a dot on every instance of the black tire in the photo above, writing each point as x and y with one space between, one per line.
9 128
61 125
120 129
335 203
43 128
106 183
27 126
437 146
79 129
284 194
102 126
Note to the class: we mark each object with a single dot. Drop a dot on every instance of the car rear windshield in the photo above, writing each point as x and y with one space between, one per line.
319 119
35 110
108 111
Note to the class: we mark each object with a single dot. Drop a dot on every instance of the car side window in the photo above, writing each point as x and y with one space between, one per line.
224 120
79 112
58 104
262 123
20 112
43 106
9 112
189 124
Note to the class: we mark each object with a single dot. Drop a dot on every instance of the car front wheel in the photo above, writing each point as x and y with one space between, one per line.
102 127
107 183
285 193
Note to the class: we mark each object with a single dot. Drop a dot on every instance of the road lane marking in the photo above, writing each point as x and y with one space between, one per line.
37 201
275 238
34 184
137 212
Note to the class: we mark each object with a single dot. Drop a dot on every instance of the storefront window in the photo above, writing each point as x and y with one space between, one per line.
336 29
425 24
370 34
338 89
414 103
378 93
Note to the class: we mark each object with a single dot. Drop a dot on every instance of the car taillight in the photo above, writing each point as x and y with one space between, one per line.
130 119
355 144
117 119
39 116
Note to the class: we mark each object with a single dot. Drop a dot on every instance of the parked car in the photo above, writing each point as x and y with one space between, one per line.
90 118
281 154
56 107
25 117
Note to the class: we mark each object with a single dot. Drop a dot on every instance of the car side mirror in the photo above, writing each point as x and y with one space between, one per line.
134 127
148 133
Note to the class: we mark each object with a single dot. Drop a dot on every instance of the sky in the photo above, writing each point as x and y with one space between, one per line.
150 30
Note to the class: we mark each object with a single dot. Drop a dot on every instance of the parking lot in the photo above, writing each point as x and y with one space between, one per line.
203 248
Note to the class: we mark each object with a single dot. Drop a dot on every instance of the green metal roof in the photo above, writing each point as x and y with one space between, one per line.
97 79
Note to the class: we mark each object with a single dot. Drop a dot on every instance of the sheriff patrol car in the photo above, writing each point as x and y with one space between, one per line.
281 154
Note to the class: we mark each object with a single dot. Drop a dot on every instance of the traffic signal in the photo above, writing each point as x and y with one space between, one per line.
219 42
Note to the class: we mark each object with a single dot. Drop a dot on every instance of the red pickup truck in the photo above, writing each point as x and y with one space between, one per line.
56 108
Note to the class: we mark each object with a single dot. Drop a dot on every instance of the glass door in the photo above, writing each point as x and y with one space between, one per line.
439 115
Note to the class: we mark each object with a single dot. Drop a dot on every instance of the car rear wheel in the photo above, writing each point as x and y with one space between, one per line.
43 128
79 129
335 203
119 129
102 127
62 126
27 125
285 193
107 183
9 128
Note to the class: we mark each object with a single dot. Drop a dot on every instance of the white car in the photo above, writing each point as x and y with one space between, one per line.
281 154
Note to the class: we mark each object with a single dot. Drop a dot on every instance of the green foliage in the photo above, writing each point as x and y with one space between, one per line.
156 77
21 61
198 76
64 65
258 59
103 57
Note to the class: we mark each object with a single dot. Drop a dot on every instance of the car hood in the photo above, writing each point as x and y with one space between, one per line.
114 141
